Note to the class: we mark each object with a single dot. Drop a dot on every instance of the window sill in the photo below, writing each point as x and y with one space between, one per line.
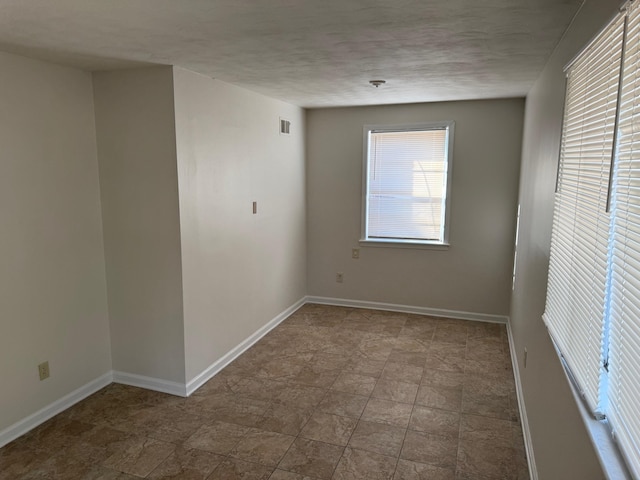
404 244
609 456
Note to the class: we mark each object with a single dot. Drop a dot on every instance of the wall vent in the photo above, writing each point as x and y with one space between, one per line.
285 126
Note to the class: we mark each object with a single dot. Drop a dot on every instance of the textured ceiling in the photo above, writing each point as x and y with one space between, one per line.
307 52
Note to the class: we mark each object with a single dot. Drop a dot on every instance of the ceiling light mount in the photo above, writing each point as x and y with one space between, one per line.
377 83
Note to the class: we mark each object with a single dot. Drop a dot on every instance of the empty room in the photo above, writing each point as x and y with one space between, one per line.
320 240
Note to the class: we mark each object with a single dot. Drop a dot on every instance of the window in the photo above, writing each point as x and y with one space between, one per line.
407 177
593 294
576 297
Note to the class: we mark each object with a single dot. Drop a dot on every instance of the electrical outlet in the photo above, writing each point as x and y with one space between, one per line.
525 358
339 277
43 370
355 253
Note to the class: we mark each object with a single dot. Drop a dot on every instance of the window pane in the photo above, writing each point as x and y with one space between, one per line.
407 184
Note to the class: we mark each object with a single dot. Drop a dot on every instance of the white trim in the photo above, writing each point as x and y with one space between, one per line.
528 442
234 353
404 244
150 383
393 307
28 423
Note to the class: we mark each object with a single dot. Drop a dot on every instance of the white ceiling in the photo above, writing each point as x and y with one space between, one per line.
312 53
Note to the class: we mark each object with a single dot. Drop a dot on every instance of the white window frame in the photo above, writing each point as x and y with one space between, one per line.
365 240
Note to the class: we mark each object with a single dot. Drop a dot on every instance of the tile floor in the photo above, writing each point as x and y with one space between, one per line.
332 393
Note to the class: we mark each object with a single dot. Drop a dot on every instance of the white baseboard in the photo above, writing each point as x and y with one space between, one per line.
230 356
150 383
23 426
393 307
528 443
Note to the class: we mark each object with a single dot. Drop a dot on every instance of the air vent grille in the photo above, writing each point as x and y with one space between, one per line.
285 126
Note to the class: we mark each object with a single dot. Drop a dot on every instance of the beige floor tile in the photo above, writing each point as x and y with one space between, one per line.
449 357
308 457
413 344
486 330
359 464
354 383
451 333
327 428
395 391
98 444
233 469
435 396
140 456
252 387
377 438
59 467
284 419
442 378
435 421
328 361
416 359
497 367
417 331
487 396
18 458
388 412
187 464
219 437
486 404
174 425
283 475
259 446
372 368
56 434
301 397
430 449
481 459
313 376
402 372
345 404
408 470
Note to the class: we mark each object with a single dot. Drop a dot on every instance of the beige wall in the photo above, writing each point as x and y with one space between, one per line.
139 187
53 302
239 270
561 445
474 274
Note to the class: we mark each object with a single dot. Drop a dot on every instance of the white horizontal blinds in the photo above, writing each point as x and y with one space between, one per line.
576 297
407 184
624 350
